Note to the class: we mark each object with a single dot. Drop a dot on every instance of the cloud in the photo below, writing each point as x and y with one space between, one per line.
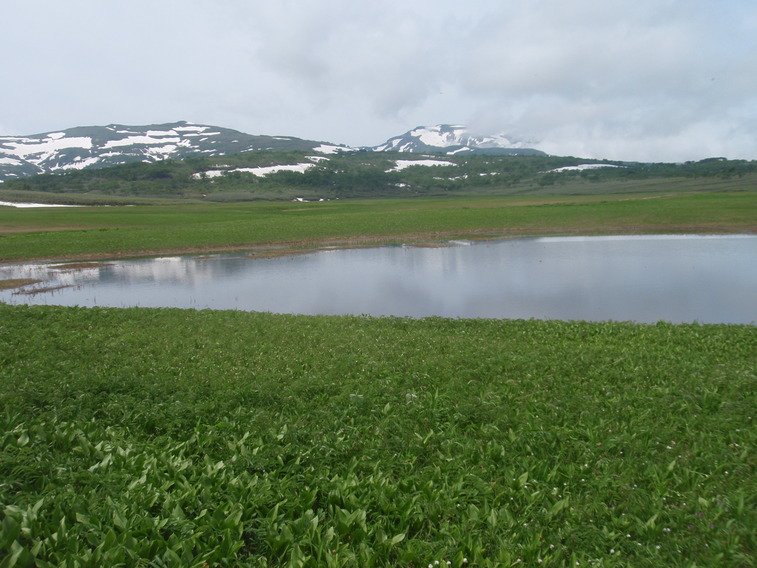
587 77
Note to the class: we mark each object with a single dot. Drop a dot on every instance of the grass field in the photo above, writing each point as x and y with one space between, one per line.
149 230
140 437
157 437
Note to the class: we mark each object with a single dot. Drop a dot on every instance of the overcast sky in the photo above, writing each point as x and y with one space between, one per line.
657 80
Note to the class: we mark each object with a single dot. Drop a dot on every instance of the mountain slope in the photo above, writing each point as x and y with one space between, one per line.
454 139
102 146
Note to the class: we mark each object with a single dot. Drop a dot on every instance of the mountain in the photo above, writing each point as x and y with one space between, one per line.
454 139
86 147
102 146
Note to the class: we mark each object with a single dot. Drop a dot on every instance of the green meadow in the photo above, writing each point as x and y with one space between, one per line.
161 437
92 232
173 438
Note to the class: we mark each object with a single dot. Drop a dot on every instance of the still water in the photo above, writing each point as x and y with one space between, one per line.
675 278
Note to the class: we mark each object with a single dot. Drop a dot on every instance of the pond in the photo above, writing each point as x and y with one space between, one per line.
675 278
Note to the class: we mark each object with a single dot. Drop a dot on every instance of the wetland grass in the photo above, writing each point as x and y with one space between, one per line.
98 232
161 437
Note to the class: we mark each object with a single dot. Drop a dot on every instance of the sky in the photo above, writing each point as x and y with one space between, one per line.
650 80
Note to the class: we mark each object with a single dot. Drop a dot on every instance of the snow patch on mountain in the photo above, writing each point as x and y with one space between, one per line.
24 147
400 165
582 167
331 149
80 164
259 171
33 205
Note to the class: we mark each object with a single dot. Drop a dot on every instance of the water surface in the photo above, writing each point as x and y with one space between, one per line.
676 278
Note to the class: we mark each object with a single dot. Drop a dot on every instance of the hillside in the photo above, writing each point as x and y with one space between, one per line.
94 147
87 147
114 163
308 175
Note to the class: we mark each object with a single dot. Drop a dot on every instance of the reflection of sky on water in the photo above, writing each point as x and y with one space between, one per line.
644 278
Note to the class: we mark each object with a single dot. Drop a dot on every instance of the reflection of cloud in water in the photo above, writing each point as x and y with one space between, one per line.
164 269
50 275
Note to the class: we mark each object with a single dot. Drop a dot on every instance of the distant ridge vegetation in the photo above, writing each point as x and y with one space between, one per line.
287 175
189 161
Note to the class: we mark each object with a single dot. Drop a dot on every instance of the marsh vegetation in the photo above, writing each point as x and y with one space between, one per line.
178 438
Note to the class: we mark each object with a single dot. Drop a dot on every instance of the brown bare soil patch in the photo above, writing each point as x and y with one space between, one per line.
79 265
276 253
39 229
35 291
428 245
10 283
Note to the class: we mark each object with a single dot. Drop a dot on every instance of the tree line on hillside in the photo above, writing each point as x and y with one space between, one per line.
356 174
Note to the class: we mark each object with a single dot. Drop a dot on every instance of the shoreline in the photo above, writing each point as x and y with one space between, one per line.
436 238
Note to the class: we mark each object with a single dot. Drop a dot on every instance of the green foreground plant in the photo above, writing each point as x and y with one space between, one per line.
184 438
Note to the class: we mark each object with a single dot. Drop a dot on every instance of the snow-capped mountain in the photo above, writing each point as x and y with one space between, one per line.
453 139
101 146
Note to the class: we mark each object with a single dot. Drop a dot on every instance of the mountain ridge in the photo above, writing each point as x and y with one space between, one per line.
85 147
454 139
